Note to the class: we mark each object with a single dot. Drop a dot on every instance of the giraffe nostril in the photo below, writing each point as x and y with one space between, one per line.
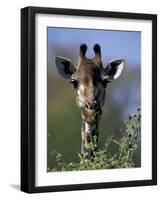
95 105
88 105
91 106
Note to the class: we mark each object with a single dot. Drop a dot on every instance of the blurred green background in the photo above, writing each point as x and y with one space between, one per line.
123 96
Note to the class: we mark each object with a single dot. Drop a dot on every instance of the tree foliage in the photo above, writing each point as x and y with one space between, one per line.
127 145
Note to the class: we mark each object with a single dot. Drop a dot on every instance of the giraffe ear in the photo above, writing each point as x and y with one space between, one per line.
114 69
64 67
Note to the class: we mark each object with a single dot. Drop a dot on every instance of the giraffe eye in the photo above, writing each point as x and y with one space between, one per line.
74 82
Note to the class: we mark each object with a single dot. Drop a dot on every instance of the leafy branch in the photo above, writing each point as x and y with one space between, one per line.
127 146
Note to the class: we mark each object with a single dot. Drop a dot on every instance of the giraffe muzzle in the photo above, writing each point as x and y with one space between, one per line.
91 115
92 106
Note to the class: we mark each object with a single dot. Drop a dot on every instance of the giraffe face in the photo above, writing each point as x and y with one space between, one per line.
89 80
90 90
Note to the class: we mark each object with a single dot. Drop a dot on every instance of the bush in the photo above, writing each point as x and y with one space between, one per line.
127 146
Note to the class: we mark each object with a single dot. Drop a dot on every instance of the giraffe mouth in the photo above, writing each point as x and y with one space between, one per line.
91 116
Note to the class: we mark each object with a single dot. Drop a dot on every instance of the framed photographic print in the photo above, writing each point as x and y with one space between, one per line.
88 99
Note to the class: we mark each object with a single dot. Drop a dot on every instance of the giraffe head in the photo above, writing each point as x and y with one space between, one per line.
89 79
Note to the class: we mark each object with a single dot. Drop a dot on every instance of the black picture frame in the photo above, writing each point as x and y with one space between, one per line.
28 98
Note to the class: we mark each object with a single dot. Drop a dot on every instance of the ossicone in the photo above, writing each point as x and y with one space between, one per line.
97 51
83 49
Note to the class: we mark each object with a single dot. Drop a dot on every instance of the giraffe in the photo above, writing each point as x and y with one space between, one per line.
89 79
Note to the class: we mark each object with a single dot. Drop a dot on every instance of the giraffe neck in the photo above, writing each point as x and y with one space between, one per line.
89 133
